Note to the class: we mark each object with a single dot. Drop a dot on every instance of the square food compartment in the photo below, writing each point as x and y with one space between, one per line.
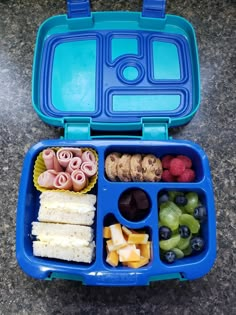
143 244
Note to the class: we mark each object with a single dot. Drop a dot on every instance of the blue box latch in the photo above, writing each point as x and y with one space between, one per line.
78 8
154 8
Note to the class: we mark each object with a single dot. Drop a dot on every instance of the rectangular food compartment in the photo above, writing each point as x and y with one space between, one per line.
205 231
108 193
27 213
160 150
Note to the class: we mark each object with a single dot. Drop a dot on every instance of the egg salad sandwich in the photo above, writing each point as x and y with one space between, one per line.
63 241
67 207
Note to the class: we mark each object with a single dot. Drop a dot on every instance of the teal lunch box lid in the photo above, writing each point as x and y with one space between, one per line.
116 70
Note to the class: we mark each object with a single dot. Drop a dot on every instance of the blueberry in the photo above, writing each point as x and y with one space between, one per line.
184 231
164 233
170 256
163 198
197 243
181 200
200 213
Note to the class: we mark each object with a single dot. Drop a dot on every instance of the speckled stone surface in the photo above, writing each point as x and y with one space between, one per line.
213 128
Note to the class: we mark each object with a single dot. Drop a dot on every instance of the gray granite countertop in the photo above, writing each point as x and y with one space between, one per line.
213 128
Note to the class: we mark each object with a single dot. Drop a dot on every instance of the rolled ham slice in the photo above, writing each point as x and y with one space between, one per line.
88 156
75 151
50 160
74 164
64 156
79 180
63 181
46 179
89 168
57 166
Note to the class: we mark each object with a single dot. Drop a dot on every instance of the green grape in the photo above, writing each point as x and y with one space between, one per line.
190 221
179 254
183 243
171 205
163 205
169 218
170 243
192 202
175 208
187 251
172 194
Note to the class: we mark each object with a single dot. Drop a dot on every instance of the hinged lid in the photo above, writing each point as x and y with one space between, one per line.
115 69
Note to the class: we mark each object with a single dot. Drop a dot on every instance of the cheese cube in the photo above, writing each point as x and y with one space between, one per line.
112 259
110 246
138 238
117 236
137 264
106 232
126 237
126 230
129 253
145 250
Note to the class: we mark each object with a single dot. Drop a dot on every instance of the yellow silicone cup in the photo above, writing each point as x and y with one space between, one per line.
39 168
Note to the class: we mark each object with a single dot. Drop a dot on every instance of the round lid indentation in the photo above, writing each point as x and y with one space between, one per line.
130 73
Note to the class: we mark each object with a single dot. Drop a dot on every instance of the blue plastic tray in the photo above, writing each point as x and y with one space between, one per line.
134 74
99 272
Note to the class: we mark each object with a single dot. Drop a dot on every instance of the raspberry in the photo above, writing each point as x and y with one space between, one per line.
187 161
167 177
177 167
187 176
166 161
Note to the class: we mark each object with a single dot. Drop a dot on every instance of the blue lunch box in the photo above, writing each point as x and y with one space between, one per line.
116 81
